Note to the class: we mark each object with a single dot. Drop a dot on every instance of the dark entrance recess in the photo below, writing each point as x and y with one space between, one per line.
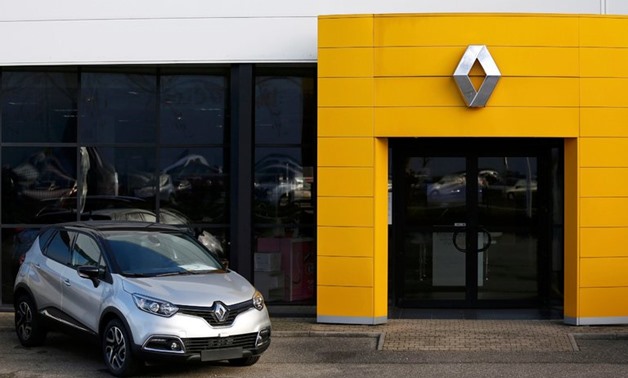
477 223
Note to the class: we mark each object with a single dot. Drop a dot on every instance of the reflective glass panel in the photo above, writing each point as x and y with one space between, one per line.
118 108
192 109
34 178
135 169
284 109
283 186
285 264
39 106
193 181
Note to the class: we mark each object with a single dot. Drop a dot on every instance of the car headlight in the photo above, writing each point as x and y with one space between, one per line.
155 306
258 300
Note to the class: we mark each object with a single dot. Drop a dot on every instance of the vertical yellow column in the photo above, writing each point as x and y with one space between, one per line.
602 282
352 178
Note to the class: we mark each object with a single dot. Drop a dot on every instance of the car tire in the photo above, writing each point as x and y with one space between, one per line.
244 361
116 349
28 324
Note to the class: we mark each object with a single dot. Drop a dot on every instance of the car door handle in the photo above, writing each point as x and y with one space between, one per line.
67 282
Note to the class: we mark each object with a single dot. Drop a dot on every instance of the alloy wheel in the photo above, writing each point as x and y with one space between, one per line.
24 321
115 347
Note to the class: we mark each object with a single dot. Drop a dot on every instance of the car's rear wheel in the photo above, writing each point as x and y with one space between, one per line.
116 348
244 361
28 324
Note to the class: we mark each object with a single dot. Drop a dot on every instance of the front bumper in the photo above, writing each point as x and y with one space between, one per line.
186 336
205 348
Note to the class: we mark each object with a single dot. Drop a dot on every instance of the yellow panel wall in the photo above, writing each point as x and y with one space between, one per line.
388 76
603 162
347 173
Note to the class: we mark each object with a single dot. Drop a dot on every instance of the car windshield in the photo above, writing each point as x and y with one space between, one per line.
150 254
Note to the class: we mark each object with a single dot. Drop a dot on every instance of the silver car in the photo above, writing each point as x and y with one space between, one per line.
148 292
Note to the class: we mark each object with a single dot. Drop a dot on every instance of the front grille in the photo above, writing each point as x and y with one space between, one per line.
208 314
196 345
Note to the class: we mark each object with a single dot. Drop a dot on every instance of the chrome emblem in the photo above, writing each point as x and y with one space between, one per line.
220 311
473 98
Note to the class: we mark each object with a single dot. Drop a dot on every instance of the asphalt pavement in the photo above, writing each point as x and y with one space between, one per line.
417 347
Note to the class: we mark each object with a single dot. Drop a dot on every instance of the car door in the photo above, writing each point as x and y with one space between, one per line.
82 297
47 269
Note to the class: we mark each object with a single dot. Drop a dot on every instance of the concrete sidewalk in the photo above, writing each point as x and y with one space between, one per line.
445 334
460 335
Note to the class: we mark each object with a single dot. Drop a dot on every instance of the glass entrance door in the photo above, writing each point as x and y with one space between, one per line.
470 221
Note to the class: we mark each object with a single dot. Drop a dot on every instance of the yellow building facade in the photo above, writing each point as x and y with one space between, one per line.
383 77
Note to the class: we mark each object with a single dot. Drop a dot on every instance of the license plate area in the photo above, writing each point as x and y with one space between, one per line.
221 354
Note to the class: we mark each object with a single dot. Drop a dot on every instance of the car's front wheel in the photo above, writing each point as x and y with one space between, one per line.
116 348
28 325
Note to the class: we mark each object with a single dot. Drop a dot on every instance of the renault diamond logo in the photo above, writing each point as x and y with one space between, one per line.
473 98
220 311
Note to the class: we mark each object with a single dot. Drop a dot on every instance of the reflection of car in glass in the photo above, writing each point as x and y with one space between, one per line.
449 185
452 188
199 188
147 292
144 185
43 176
192 171
520 189
279 180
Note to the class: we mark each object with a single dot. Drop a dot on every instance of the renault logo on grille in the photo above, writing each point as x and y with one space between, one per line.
476 98
220 311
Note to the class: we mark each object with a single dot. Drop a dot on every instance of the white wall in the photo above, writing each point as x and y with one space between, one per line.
43 32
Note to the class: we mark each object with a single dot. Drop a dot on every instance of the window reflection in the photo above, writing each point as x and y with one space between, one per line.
192 108
282 187
118 107
39 106
32 176
197 182
285 264
282 112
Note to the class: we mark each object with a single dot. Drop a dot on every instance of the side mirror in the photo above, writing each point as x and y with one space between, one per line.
225 263
90 272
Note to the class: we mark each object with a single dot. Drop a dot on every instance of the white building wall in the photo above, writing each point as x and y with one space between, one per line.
43 32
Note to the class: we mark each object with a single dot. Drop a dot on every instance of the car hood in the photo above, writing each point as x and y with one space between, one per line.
193 290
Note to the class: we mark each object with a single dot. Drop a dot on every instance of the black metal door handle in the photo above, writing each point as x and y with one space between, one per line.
487 243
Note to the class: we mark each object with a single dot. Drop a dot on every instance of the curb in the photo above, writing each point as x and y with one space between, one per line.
380 336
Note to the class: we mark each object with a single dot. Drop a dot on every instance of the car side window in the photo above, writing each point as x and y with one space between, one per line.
59 247
85 251
45 236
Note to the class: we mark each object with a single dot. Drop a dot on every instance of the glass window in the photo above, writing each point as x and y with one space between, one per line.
284 109
118 108
135 169
284 169
85 251
192 109
196 182
34 179
59 247
39 106
283 186
285 264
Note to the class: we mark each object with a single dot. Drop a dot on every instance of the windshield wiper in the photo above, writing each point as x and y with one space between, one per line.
177 273
130 274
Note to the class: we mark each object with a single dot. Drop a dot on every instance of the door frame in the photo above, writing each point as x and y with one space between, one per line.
472 149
